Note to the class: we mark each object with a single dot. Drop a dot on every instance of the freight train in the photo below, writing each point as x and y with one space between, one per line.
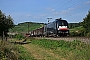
58 27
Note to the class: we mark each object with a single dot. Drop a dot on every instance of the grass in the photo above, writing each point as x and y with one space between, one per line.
10 51
45 49
75 50
55 44
24 54
76 29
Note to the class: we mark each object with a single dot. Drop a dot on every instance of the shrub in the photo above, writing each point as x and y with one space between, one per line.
19 36
88 34
7 51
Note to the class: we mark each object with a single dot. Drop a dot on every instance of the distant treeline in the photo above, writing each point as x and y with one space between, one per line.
29 23
73 25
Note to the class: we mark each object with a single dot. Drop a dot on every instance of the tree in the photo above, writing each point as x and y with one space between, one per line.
86 23
6 22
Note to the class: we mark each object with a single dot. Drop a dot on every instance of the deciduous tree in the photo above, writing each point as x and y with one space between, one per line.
86 23
6 22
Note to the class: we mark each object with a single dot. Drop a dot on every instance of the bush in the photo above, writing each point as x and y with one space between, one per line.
79 32
88 34
19 36
7 51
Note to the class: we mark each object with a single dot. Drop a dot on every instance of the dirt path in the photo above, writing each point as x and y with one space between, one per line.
41 53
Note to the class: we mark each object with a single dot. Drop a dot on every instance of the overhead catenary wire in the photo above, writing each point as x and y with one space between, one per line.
77 11
68 7
59 6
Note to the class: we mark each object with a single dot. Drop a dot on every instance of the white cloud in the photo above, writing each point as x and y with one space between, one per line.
34 16
42 15
88 2
63 12
50 9
28 15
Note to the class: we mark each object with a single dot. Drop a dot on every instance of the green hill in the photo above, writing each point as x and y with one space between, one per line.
73 25
23 27
75 28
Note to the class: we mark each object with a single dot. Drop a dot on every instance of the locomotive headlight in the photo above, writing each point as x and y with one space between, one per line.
58 28
67 32
63 28
66 26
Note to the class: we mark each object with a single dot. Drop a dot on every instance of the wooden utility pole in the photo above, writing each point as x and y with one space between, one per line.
3 35
28 27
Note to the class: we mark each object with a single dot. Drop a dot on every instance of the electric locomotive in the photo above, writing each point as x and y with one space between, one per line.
58 27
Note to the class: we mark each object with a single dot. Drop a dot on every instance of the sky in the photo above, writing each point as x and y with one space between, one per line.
39 10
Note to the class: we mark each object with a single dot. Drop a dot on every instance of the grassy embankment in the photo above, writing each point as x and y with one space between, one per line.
75 50
45 49
77 31
9 51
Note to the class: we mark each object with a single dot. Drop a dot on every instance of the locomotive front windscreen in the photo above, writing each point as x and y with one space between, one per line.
62 23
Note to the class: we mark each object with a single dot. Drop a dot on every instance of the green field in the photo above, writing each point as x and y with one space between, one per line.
43 49
76 29
75 50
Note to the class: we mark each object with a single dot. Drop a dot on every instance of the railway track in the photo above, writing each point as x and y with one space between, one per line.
82 39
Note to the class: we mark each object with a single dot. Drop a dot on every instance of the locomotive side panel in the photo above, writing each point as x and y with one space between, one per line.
50 28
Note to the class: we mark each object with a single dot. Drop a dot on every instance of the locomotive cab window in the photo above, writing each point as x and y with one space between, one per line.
62 23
